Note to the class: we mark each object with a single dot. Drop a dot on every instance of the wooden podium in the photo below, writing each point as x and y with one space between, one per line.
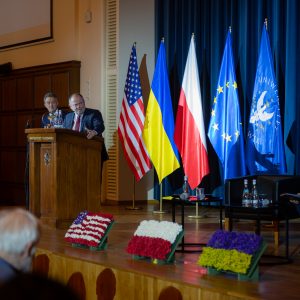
64 174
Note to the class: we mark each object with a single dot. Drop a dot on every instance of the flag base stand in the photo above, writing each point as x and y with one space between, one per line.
133 207
198 217
159 212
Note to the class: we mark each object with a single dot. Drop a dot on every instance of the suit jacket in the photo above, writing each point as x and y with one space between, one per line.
7 271
92 119
45 121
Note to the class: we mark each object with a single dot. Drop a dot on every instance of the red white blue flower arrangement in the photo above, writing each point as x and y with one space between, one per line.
230 251
88 228
154 239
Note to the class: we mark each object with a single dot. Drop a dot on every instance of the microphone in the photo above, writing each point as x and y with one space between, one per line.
28 124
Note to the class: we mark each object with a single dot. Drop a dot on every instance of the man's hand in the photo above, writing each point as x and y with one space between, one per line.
90 133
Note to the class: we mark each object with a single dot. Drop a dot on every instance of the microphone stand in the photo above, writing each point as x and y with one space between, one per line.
26 175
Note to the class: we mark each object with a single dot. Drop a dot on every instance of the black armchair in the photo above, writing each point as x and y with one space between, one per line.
274 188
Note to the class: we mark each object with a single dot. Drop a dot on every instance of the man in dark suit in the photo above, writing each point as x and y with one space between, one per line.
85 120
54 117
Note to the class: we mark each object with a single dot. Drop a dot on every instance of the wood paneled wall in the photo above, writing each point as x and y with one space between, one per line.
21 102
129 284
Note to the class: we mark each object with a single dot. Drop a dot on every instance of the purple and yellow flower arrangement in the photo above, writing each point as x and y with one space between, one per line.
230 251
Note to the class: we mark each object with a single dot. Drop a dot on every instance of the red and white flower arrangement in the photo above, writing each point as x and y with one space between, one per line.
88 228
154 239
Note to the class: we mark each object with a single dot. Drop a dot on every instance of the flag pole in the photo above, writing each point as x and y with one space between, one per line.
133 207
200 197
160 211
197 216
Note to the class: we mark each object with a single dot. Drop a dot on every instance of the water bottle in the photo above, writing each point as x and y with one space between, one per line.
185 187
58 121
255 197
246 201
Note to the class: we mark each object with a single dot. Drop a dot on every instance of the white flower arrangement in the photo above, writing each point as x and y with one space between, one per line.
155 229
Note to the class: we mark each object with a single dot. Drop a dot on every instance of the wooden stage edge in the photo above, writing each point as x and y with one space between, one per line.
138 279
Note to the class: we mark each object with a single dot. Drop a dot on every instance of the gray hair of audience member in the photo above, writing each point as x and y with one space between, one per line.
18 228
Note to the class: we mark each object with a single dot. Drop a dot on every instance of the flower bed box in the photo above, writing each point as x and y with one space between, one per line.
102 244
170 257
233 253
155 241
253 271
90 230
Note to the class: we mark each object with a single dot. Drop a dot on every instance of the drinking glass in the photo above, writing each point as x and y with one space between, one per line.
200 193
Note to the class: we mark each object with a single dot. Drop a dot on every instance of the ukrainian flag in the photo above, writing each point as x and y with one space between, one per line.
159 123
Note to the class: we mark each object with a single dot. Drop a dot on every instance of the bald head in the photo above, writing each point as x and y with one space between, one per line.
77 103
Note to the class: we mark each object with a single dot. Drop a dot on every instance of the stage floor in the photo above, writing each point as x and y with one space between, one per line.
277 281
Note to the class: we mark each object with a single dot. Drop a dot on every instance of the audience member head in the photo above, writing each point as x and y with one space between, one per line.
77 103
19 234
50 102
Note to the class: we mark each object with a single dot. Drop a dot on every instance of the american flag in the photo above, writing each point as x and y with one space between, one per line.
88 228
131 122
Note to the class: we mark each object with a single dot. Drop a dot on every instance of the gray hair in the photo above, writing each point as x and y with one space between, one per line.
18 228
50 95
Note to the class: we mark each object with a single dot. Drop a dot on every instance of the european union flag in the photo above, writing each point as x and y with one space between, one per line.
225 127
265 150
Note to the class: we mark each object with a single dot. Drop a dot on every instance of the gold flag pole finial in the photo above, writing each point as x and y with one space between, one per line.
266 23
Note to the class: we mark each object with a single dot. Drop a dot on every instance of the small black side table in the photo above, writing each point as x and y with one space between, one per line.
270 213
209 199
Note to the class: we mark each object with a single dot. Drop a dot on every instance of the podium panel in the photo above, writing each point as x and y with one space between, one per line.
64 174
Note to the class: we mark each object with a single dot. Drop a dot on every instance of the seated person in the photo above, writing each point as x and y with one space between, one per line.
51 103
19 234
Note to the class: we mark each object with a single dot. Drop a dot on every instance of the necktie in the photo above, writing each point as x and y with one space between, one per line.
77 124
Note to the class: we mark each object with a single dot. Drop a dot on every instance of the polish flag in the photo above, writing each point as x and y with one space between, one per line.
189 133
